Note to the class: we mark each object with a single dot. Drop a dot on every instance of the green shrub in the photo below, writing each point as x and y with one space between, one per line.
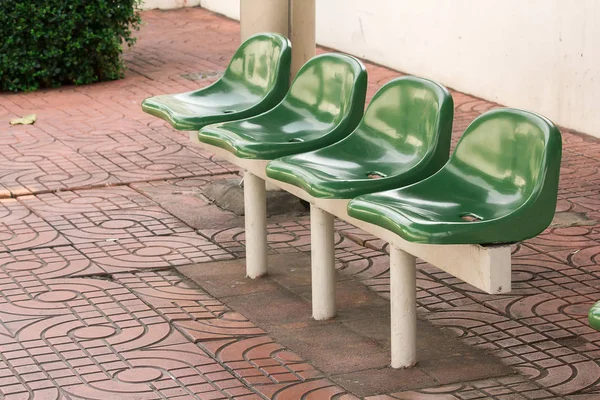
48 43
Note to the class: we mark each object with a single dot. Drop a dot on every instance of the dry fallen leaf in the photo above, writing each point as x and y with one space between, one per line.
26 120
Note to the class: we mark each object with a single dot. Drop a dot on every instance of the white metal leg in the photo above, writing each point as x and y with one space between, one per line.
403 285
322 263
255 210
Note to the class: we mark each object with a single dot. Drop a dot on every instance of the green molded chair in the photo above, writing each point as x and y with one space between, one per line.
324 104
255 81
499 186
594 316
404 137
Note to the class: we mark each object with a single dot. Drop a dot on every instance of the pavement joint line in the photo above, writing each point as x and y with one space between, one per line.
112 184
111 275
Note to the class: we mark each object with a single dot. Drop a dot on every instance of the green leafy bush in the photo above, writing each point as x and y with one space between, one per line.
47 43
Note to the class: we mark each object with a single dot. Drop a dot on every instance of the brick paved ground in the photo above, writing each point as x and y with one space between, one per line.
99 202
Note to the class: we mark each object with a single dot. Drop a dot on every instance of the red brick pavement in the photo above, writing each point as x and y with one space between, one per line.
91 308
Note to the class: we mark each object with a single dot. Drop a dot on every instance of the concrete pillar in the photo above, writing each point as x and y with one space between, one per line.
322 248
403 305
292 18
258 16
302 32
255 210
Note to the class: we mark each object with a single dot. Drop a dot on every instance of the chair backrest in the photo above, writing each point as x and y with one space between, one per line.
261 64
409 119
330 88
510 159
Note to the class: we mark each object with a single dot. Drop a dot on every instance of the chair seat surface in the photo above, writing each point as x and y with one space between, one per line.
190 111
404 137
440 211
268 136
255 81
324 104
499 186
338 171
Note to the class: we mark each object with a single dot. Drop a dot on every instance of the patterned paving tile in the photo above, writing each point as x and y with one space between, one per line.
117 229
92 337
84 338
20 378
85 201
285 237
557 239
361 237
154 189
516 388
117 225
46 263
77 159
261 361
55 171
540 330
237 344
21 229
152 252
198 316
166 160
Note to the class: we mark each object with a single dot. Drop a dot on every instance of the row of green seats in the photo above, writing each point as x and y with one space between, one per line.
499 186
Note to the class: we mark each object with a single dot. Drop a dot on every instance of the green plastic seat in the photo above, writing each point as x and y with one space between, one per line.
499 186
594 316
255 81
324 104
403 138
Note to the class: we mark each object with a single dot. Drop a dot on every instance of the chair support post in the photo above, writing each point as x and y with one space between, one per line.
255 210
403 285
322 263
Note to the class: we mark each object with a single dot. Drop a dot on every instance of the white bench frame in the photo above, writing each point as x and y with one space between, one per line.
486 267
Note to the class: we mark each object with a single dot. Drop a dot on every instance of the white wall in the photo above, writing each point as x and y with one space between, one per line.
540 55
229 8
168 4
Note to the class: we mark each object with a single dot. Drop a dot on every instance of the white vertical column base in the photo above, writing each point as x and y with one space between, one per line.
255 210
403 301
322 263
